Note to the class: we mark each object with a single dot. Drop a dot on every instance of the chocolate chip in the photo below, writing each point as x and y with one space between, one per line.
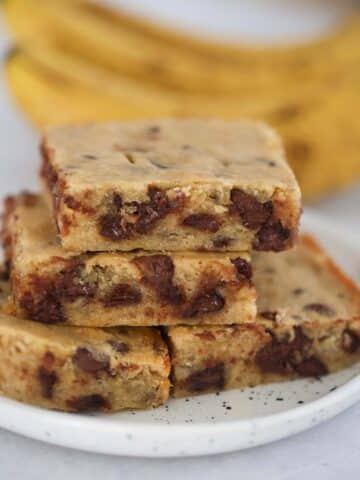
111 227
114 227
155 129
274 358
203 222
210 378
272 236
157 164
90 157
279 356
243 269
269 315
130 157
159 200
301 340
222 242
350 341
119 347
320 308
47 381
155 268
147 218
214 195
122 294
86 361
266 161
117 201
252 212
44 304
311 367
158 272
71 202
69 284
88 403
209 301
298 291
173 294
47 309
157 208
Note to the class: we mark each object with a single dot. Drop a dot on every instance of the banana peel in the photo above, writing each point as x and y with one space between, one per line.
314 144
51 100
111 42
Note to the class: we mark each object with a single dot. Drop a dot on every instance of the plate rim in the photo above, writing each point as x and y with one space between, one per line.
331 403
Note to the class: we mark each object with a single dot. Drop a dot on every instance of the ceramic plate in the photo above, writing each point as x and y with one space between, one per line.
212 423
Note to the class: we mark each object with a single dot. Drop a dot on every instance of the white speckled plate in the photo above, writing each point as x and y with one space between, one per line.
212 423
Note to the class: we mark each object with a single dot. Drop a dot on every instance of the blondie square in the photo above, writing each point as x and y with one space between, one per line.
170 185
51 285
308 325
81 369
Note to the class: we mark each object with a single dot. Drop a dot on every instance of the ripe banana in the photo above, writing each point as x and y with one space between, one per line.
51 100
111 41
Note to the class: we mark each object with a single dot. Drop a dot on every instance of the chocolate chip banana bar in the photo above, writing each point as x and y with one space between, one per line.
51 285
308 325
81 369
170 185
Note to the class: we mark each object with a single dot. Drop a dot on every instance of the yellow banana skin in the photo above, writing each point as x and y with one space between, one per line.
63 74
51 100
79 27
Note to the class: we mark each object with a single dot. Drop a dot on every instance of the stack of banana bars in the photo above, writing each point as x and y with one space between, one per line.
159 260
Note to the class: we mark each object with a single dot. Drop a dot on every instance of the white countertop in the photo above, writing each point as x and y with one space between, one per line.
327 452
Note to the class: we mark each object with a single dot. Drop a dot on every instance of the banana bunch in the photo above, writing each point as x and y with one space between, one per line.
76 61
